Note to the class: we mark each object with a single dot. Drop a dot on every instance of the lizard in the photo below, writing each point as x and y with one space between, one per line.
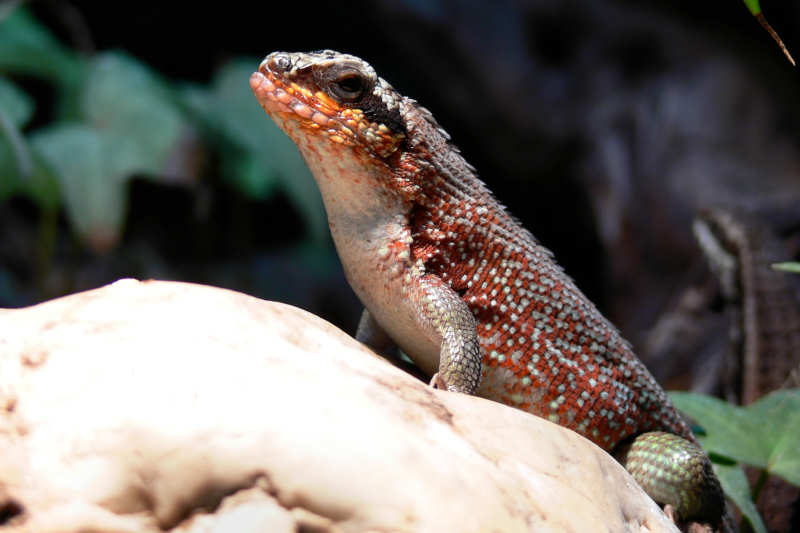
450 277
740 249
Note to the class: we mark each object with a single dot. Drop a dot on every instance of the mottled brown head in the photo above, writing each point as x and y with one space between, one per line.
332 94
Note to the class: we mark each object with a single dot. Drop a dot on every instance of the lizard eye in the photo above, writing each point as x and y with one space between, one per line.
348 81
348 88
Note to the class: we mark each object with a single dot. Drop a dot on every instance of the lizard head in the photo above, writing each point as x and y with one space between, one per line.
334 95
362 140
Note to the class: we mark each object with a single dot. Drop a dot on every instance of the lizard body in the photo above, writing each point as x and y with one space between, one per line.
449 275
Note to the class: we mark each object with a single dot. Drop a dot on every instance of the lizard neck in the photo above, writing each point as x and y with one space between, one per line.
368 219
352 184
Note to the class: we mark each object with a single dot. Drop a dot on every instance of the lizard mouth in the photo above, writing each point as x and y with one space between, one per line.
275 96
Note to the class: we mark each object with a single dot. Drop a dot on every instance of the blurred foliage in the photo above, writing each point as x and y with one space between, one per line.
255 154
113 118
29 48
788 266
764 434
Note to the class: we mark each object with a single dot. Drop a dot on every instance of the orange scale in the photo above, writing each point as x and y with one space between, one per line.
326 100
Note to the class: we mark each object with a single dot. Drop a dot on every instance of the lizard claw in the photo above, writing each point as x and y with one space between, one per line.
437 382
669 510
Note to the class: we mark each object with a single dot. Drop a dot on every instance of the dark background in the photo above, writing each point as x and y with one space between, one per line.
602 125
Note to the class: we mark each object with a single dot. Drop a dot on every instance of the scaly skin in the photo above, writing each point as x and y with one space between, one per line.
459 285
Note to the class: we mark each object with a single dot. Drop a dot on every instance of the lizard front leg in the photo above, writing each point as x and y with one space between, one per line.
445 315
436 312
676 472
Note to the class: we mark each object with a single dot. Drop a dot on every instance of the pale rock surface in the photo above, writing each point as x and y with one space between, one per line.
156 406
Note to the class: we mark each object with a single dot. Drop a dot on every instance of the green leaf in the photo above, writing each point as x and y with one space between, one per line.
15 104
27 47
734 483
21 171
777 417
9 173
257 155
42 184
753 6
16 162
788 266
728 431
125 99
765 433
15 159
91 168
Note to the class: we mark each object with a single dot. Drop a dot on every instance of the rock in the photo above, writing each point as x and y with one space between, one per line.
159 406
